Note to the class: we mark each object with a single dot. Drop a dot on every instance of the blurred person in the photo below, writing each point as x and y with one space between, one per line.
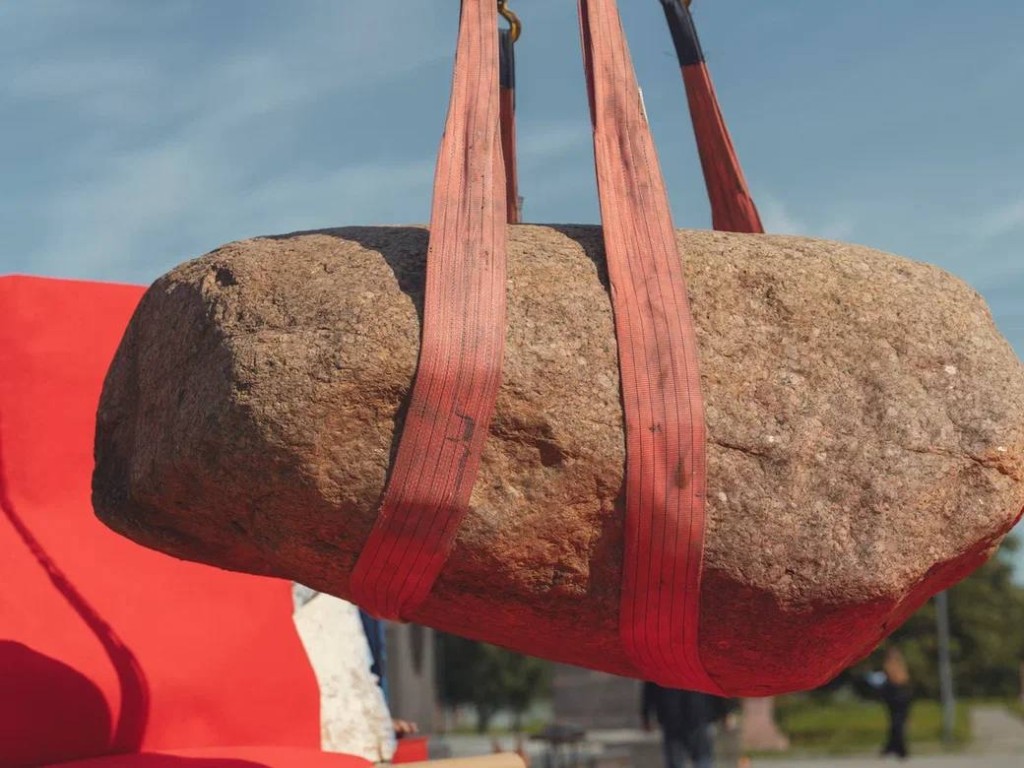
356 669
687 719
373 628
893 685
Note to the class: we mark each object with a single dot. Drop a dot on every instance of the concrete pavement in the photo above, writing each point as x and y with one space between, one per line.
998 743
966 760
997 732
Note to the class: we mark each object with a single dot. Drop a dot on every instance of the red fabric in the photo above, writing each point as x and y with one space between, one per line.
732 207
106 646
248 757
412 749
459 371
665 433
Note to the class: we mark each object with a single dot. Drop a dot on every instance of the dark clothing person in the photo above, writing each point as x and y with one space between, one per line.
897 700
893 686
374 631
686 719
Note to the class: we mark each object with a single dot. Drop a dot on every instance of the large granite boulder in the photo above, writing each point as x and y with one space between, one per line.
865 420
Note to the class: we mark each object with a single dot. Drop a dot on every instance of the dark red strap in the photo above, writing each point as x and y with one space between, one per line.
665 436
506 45
457 378
732 207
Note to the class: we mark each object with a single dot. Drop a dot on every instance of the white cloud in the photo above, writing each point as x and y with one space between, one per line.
1000 221
139 202
189 194
778 218
98 224
370 193
166 169
160 206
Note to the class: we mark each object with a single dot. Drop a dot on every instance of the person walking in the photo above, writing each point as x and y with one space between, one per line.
686 719
897 695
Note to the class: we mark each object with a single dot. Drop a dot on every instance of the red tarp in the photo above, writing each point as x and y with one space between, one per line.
106 646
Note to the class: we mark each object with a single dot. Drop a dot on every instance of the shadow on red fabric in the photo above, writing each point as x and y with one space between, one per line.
47 709
60 685
107 647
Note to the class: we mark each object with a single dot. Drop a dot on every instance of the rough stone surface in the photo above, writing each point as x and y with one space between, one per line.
865 418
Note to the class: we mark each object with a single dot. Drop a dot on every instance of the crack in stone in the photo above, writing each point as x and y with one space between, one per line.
741 449
985 462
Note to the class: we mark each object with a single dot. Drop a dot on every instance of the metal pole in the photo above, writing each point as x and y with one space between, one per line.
945 667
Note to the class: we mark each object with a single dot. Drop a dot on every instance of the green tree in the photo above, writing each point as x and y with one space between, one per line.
457 658
489 678
525 679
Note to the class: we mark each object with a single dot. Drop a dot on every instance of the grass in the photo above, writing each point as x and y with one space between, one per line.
530 727
855 726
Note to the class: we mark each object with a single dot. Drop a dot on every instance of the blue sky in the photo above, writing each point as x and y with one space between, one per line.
140 134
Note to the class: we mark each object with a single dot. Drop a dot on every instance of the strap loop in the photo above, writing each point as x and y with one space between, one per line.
457 378
658 360
427 494
732 206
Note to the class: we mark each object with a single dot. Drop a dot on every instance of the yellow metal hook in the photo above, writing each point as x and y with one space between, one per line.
515 26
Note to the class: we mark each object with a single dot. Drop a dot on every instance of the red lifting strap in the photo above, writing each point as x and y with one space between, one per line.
732 207
507 40
658 360
457 378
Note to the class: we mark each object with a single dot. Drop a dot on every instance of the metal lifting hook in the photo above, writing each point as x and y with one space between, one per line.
515 26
